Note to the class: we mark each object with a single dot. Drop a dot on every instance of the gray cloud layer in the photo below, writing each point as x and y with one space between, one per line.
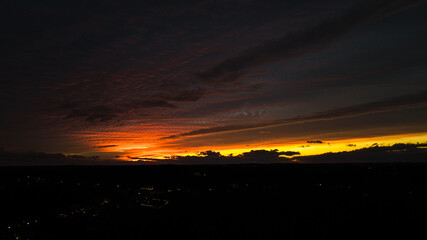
299 43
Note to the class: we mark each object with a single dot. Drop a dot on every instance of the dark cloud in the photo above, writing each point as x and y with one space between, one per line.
390 104
289 153
46 159
187 95
107 113
142 159
93 114
210 153
102 117
106 146
299 43
265 154
142 104
212 157
315 141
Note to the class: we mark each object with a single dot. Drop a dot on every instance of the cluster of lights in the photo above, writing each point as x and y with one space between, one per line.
15 229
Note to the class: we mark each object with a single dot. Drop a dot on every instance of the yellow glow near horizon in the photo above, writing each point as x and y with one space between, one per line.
340 145
123 149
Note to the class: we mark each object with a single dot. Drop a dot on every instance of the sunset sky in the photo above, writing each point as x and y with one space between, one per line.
154 79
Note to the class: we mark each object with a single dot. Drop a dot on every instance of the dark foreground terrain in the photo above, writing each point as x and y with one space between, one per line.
350 201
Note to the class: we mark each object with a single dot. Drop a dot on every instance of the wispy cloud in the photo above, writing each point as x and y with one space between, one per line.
106 146
107 113
390 104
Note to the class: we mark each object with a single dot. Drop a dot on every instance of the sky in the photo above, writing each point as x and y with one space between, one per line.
157 79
